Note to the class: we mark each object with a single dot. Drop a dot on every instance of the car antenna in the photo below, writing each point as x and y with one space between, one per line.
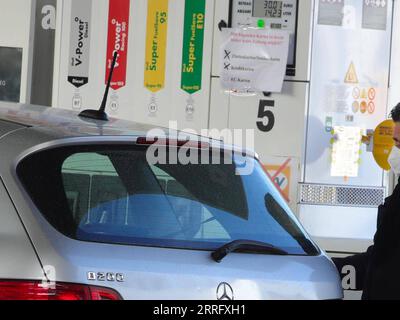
101 114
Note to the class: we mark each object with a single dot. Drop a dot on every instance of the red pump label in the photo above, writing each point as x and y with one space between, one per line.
118 31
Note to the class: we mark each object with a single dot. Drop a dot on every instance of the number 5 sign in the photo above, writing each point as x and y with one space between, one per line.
265 116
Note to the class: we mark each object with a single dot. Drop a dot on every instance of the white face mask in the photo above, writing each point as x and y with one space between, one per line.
394 160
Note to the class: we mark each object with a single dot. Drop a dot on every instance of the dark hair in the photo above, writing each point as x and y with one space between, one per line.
395 114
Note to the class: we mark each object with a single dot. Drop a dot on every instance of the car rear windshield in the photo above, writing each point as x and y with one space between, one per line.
113 194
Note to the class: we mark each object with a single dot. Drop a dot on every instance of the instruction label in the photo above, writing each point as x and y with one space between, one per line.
346 151
253 59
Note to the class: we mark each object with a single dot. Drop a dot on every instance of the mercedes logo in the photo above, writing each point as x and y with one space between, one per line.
225 292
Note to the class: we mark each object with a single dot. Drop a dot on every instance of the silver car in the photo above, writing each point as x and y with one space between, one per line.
86 214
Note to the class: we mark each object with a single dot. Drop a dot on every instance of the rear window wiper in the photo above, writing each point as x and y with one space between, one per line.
250 245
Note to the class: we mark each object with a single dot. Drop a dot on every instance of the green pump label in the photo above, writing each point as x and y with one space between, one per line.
193 43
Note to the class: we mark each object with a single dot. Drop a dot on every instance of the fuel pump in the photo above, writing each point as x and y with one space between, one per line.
334 93
273 116
342 184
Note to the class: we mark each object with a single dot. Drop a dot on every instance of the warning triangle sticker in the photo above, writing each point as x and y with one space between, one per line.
351 75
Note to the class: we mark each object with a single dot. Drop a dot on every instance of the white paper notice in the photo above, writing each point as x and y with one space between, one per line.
254 59
346 152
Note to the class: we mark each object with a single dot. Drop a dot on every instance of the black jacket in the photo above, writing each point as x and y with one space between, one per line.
378 269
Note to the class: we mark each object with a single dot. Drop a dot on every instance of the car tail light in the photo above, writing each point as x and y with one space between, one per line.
36 290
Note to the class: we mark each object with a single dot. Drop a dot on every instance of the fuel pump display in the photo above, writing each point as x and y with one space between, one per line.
278 15
267 9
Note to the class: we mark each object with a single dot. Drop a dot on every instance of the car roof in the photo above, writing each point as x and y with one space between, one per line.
67 122
62 123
